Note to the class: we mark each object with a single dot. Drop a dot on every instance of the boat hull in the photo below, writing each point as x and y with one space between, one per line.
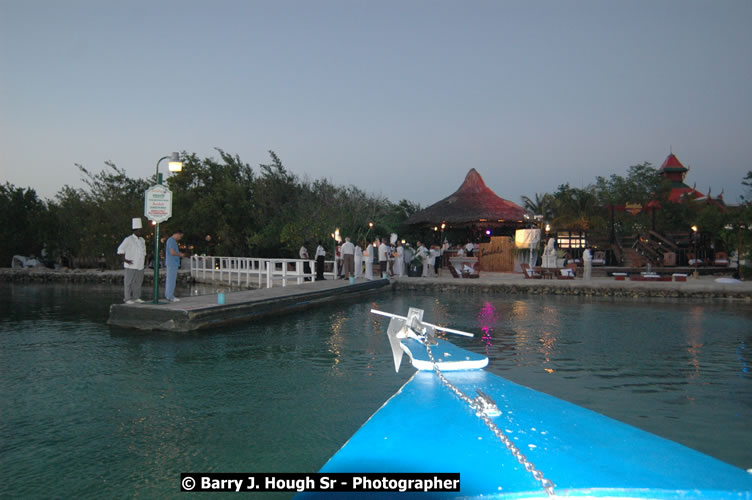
425 427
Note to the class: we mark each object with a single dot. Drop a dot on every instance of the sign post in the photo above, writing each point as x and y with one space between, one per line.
157 208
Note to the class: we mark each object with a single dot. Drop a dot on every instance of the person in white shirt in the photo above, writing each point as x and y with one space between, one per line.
422 255
469 248
432 255
399 260
358 261
303 252
587 260
320 254
348 258
368 257
384 258
338 264
133 252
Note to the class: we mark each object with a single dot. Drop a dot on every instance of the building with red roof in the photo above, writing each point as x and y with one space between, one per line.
473 203
673 171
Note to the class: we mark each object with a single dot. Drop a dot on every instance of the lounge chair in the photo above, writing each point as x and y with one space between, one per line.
569 272
692 259
529 273
599 258
721 259
466 274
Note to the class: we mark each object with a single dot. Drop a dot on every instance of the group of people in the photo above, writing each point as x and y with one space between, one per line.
394 258
357 260
133 252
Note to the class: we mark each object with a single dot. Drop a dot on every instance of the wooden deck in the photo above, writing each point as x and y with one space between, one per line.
203 311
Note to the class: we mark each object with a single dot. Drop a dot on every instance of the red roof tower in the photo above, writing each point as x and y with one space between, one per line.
673 171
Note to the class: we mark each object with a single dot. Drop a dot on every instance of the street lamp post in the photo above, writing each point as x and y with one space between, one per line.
697 257
174 165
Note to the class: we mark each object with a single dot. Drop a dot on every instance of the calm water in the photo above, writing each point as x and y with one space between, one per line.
87 411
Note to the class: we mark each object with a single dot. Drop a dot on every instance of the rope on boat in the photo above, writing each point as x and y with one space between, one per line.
481 407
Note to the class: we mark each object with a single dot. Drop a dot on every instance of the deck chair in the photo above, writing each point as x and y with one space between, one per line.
721 259
599 258
693 260
453 270
569 272
529 273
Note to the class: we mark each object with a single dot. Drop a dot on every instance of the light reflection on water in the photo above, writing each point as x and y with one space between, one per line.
675 369
86 408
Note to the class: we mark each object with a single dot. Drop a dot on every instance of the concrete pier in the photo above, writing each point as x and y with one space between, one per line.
202 311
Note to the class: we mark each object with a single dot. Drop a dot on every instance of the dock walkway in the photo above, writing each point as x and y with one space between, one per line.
203 311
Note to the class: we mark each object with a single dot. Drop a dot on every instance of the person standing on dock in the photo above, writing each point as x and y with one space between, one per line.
172 262
399 260
320 255
133 252
303 252
587 260
348 258
422 255
358 261
384 258
368 257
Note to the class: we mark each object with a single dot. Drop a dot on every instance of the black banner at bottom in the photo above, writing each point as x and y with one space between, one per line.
367 481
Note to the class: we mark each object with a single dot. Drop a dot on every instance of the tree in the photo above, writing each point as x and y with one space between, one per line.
23 221
577 209
214 203
222 204
748 183
541 205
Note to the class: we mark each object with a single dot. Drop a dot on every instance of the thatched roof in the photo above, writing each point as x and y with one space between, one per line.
472 202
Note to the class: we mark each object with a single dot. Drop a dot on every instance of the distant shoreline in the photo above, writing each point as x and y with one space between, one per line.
489 283
515 284
36 275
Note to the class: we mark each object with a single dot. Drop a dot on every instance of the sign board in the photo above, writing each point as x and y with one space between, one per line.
158 203
523 238
633 208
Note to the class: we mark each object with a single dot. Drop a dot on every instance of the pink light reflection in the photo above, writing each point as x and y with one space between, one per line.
487 318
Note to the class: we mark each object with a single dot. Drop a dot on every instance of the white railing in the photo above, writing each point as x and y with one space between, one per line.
263 272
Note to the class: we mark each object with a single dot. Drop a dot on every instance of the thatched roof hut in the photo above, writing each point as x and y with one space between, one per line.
472 203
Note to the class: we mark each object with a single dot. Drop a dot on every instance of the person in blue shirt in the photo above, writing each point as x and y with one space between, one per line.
172 262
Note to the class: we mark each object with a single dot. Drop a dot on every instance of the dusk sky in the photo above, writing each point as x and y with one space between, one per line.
400 98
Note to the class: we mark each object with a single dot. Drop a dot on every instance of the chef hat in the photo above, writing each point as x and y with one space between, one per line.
136 223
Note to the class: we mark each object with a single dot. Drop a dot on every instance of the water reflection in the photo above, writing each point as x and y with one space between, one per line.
487 319
151 405
336 340
740 350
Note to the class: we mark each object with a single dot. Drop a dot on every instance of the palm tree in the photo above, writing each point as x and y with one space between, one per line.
542 205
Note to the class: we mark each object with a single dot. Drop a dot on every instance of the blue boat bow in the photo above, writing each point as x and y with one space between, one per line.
508 441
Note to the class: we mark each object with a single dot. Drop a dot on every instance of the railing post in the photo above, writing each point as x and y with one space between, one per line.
269 267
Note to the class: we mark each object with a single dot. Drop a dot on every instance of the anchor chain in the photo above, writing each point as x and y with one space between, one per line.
481 407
